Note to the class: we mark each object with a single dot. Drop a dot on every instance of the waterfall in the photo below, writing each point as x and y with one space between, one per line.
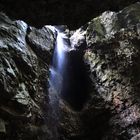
59 61
57 70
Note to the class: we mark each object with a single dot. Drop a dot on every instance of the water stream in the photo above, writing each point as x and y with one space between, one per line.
56 78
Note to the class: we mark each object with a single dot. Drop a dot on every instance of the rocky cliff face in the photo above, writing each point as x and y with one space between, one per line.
109 45
24 57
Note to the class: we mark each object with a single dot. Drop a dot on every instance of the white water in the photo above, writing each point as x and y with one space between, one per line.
59 60
59 65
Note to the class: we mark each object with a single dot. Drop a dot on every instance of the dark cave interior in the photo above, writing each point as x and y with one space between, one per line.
85 115
73 13
76 81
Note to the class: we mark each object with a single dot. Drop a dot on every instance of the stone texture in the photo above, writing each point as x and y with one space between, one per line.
110 44
111 49
23 79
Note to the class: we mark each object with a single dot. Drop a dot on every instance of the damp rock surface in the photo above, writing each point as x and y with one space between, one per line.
23 79
109 45
113 56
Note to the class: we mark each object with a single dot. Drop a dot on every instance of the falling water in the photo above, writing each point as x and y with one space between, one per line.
57 70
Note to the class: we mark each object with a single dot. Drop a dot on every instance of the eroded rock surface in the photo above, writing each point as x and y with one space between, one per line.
23 79
112 52
110 44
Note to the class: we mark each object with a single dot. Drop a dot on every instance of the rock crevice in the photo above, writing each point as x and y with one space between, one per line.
108 45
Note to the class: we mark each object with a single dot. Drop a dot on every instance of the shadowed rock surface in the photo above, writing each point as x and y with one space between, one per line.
23 79
73 13
110 47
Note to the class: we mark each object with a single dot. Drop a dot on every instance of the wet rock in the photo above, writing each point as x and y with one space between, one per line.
23 78
137 137
112 53
110 44
2 126
113 57
22 97
42 42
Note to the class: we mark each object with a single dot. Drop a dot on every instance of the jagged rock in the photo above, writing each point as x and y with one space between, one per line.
110 44
109 23
23 78
113 56
42 42
137 137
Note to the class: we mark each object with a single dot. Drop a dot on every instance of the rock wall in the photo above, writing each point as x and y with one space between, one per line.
24 58
110 47
110 44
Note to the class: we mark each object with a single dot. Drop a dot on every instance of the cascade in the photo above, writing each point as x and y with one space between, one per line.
59 62
67 79
57 70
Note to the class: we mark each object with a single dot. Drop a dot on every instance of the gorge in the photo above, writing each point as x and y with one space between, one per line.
65 82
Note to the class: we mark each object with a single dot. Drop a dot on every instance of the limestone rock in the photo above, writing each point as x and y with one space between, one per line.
42 42
113 56
112 53
23 78
137 137
110 48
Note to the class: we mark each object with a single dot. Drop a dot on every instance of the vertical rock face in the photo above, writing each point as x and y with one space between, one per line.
110 48
110 44
112 53
24 57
